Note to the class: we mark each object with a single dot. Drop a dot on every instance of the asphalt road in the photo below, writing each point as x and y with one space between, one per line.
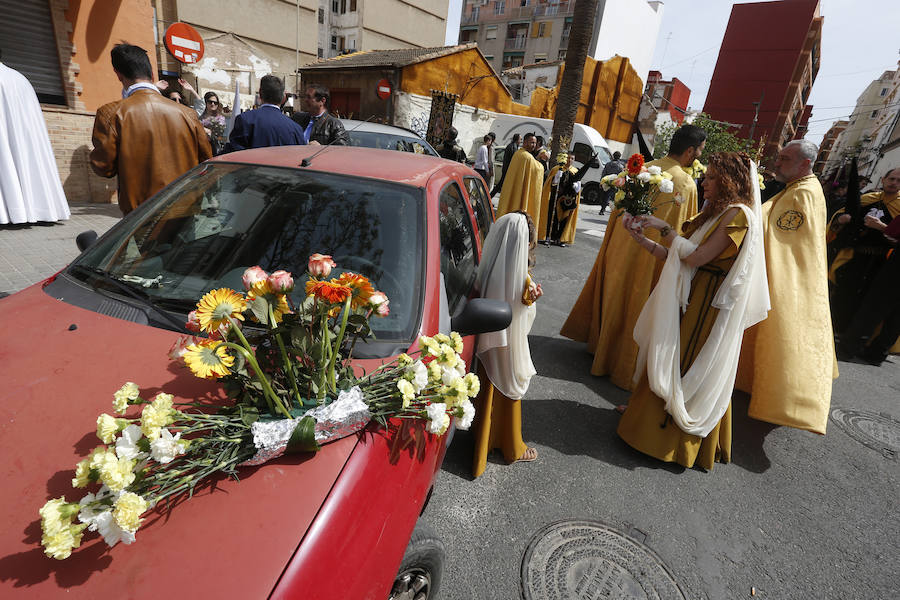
796 515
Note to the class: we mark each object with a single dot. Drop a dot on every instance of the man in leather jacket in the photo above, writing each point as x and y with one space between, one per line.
318 124
145 139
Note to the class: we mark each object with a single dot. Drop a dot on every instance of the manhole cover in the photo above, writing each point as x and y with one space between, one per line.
591 561
879 432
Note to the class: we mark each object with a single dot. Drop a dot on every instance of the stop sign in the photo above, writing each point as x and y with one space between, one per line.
383 89
184 43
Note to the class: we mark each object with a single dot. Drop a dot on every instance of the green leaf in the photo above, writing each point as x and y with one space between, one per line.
303 439
260 308
249 415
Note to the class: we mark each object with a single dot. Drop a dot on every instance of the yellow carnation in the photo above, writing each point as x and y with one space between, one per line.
457 341
447 356
620 195
82 474
442 338
404 360
59 544
407 390
107 428
473 384
153 418
163 401
127 511
124 395
117 473
435 373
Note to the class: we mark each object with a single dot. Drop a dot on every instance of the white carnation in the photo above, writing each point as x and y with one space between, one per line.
420 375
449 375
666 186
468 410
126 445
643 177
166 447
654 170
437 414
110 530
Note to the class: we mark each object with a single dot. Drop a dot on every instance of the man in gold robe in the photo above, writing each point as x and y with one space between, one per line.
858 261
522 184
787 361
624 274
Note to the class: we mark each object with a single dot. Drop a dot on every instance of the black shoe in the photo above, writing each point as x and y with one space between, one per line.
560 244
873 359
544 242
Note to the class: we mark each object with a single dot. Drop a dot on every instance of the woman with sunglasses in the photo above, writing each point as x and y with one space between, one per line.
213 120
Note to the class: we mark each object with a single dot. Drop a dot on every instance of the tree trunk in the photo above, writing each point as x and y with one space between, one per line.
570 86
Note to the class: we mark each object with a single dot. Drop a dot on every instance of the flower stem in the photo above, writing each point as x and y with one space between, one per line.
261 377
288 364
323 372
337 343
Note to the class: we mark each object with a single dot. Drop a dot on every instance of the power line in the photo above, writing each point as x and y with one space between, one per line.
689 57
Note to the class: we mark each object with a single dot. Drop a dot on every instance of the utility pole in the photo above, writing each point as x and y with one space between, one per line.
756 114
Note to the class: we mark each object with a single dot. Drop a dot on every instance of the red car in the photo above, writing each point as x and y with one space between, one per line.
335 525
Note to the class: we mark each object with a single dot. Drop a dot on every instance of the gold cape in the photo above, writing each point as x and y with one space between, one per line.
568 234
621 281
522 187
787 361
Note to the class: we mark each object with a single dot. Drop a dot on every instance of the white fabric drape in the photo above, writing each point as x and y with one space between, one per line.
698 401
30 189
501 276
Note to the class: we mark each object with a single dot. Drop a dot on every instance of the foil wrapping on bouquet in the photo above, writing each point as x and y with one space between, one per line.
345 416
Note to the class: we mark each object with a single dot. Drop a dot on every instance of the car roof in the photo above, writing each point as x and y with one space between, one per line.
387 165
353 124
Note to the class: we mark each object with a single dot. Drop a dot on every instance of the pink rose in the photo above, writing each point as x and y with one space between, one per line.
180 346
281 282
320 265
619 182
379 303
193 322
253 275
224 329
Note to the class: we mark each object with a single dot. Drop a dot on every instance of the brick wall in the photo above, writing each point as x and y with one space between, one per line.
70 137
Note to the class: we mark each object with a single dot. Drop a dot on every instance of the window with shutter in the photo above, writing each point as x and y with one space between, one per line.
34 52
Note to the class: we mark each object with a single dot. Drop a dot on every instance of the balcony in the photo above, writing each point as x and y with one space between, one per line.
516 43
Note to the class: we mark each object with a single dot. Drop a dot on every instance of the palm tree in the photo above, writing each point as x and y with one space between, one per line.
570 86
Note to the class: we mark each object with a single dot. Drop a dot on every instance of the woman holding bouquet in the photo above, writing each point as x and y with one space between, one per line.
712 287
506 367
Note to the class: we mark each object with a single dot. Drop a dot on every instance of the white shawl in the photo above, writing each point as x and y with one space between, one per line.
501 276
698 401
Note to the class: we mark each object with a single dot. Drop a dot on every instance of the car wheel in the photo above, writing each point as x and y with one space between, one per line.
419 577
591 194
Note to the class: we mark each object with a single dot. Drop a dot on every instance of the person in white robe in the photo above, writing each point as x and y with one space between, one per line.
30 190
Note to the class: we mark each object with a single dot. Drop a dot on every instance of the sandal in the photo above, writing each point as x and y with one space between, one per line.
621 408
529 455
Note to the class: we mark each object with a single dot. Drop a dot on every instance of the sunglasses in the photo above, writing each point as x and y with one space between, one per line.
212 102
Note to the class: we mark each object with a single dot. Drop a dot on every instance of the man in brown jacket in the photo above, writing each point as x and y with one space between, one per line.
145 139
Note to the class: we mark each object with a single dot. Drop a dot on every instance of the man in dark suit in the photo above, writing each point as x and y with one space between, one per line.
319 125
508 152
267 125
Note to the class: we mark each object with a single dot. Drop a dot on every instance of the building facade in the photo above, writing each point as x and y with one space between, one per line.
668 96
827 146
512 33
762 82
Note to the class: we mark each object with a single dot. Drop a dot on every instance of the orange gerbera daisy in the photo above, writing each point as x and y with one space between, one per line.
360 285
328 291
634 164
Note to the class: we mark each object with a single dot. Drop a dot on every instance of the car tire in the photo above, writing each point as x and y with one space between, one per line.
591 194
419 576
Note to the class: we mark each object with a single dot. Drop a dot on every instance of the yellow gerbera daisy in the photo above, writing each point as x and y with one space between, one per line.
217 306
208 361
280 307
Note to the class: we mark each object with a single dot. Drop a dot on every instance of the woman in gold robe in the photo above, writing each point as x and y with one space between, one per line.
678 413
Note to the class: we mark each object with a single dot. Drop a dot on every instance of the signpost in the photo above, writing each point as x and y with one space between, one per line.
184 43
383 89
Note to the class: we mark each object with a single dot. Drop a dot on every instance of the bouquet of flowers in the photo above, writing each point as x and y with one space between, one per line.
638 186
292 388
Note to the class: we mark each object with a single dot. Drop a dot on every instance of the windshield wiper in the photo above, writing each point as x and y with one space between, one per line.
135 294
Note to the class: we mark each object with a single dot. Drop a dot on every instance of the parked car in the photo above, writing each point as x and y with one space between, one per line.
340 524
386 137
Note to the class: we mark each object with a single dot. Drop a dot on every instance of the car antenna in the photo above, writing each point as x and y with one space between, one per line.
308 161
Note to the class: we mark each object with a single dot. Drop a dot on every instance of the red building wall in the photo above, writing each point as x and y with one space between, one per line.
678 96
759 52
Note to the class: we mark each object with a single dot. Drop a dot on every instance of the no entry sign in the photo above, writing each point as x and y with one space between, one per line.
383 89
184 43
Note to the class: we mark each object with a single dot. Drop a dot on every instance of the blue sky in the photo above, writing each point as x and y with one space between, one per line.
859 42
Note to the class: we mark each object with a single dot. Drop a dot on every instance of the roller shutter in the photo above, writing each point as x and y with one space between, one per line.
29 46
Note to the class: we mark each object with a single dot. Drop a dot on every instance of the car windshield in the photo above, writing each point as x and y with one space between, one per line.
202 232
603 154
388 141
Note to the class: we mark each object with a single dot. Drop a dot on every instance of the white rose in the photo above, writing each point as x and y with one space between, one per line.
666 186
654 170
166 447
643 177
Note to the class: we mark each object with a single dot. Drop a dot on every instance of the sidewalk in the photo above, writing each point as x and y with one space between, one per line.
32 252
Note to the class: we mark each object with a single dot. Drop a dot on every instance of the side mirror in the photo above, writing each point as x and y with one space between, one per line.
85 239
595 164
482 315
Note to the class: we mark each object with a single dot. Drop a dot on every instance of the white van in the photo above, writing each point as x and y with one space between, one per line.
585 141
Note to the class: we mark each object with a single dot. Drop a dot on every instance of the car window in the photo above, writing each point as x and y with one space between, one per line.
458 262
203 232
583 152
388 141
481 205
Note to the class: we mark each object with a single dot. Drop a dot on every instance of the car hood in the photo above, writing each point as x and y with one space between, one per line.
60 366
